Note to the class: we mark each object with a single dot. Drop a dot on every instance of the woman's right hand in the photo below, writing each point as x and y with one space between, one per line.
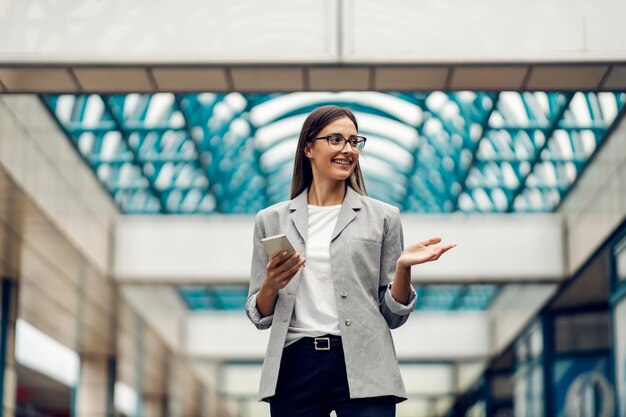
281 269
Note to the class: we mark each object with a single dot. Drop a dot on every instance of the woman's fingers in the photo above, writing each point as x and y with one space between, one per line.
430 241
282 273
446 248
295 267
280 259
288 263
291 272
276 259
425 251
443 249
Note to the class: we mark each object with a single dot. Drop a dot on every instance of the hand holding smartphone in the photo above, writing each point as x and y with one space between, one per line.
274 245
279 271
280 268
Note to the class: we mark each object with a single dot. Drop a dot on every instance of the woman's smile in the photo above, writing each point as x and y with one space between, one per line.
345 164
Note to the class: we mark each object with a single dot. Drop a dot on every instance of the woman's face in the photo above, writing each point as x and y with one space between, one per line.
327 163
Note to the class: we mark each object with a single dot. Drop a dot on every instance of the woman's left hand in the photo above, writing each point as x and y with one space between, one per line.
422 252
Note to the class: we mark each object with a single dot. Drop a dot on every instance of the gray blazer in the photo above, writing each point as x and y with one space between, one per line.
364 248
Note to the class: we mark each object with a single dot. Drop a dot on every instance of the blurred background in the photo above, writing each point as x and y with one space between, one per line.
139 138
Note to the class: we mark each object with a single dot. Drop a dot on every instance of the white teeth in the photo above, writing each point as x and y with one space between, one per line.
342 162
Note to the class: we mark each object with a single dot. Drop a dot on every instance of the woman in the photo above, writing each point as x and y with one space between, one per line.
330 346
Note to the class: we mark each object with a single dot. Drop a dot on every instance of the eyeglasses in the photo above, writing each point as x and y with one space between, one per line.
336 142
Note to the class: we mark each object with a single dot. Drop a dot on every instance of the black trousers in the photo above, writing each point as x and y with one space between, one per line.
312 383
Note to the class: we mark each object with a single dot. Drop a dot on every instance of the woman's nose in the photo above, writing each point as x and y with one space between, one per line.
347 149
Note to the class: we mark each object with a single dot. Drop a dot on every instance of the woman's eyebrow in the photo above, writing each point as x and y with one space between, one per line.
339 133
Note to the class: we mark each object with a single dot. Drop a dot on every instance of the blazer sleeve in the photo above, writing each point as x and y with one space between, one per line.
257 274
395 313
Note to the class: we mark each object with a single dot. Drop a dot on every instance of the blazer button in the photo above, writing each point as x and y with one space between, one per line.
348 322
344 294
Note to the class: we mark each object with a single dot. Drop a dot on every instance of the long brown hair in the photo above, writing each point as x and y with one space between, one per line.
314 123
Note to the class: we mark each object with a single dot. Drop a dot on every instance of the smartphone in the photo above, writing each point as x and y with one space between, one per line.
274 245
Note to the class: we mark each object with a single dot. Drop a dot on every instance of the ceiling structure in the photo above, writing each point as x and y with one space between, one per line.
427 152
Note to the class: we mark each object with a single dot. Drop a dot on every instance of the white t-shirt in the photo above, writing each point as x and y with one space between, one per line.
315 309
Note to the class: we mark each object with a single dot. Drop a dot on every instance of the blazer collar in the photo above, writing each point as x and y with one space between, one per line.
300 213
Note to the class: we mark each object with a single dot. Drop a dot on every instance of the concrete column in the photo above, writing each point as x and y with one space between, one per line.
175 387
209 402
154 405
8 317
94 396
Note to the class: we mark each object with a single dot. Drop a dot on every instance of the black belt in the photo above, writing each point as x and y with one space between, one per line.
327 342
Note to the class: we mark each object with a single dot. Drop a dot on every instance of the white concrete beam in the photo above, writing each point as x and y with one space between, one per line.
162 308
218 249
468 374
495 247
517 31
428 379
224 336
454 335
426 384
420 379
254 408
328 31
240 380
143 31
426 336
413 407
416 407
513 308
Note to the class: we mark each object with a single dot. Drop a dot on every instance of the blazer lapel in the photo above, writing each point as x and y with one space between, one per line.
300 213
347 213
351 204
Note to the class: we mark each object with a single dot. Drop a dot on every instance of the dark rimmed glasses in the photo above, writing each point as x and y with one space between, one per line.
336 142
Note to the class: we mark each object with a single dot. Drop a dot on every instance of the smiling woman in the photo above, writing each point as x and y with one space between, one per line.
355 287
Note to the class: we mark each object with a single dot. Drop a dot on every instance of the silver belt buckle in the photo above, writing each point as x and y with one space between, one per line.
322 339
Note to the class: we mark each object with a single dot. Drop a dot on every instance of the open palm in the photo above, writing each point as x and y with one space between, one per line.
425 251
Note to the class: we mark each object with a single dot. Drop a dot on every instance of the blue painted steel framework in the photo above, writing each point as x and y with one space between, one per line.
618 274
432 297
427 152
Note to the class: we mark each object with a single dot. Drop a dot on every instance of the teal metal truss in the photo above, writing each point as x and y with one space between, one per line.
430 152
457 297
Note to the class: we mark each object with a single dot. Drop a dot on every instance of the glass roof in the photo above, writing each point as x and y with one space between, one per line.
454 297
427 152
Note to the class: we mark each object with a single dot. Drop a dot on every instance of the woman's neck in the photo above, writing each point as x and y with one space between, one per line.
327 193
